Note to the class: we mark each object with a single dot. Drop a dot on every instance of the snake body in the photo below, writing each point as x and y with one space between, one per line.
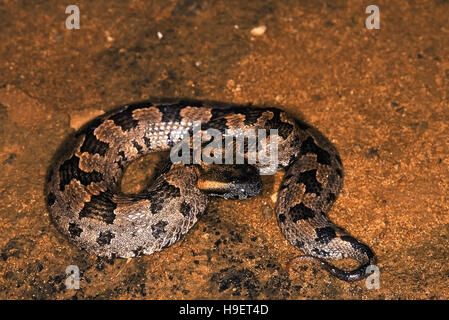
86 204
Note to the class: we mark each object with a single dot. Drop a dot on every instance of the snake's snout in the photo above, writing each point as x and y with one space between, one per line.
230 181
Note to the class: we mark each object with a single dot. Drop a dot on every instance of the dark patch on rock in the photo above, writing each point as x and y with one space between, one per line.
277 287
339 172
102 261
238 281
10 159
133 284
284 128
189 7
16 247
236 237
138 147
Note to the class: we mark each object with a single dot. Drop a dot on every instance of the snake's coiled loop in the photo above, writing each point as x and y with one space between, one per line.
85 202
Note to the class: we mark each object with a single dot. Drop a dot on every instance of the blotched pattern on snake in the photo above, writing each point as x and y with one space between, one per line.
87 205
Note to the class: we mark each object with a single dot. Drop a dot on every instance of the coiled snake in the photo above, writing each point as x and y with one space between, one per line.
86 204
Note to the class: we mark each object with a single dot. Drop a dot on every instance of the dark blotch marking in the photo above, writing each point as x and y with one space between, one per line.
147 142
339 172
156 205
301 212
337 156
166 245
185 209
138 251
358 246
217 121
51 198
105 238
138 147
124 119
291 159
92 145
100 207
331 197
159 228
309 146
282 218
70 170
165 167
295 142
50 175
171 112
240 282
308 178
299 244
284 128
283 186
74 229
160 192
320 253
123 155
122 161
373 152
325 235
90 127
302 125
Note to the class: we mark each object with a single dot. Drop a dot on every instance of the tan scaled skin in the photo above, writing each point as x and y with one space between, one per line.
87 205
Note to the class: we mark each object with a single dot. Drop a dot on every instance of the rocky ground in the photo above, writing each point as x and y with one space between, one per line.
381 96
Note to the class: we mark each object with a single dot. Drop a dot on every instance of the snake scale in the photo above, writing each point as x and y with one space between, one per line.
86 204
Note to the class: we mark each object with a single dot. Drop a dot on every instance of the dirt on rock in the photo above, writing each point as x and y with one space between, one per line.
380 95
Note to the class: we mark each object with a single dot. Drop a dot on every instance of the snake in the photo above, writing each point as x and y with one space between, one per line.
86 203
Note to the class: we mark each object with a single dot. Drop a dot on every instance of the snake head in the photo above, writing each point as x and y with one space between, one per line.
230 181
